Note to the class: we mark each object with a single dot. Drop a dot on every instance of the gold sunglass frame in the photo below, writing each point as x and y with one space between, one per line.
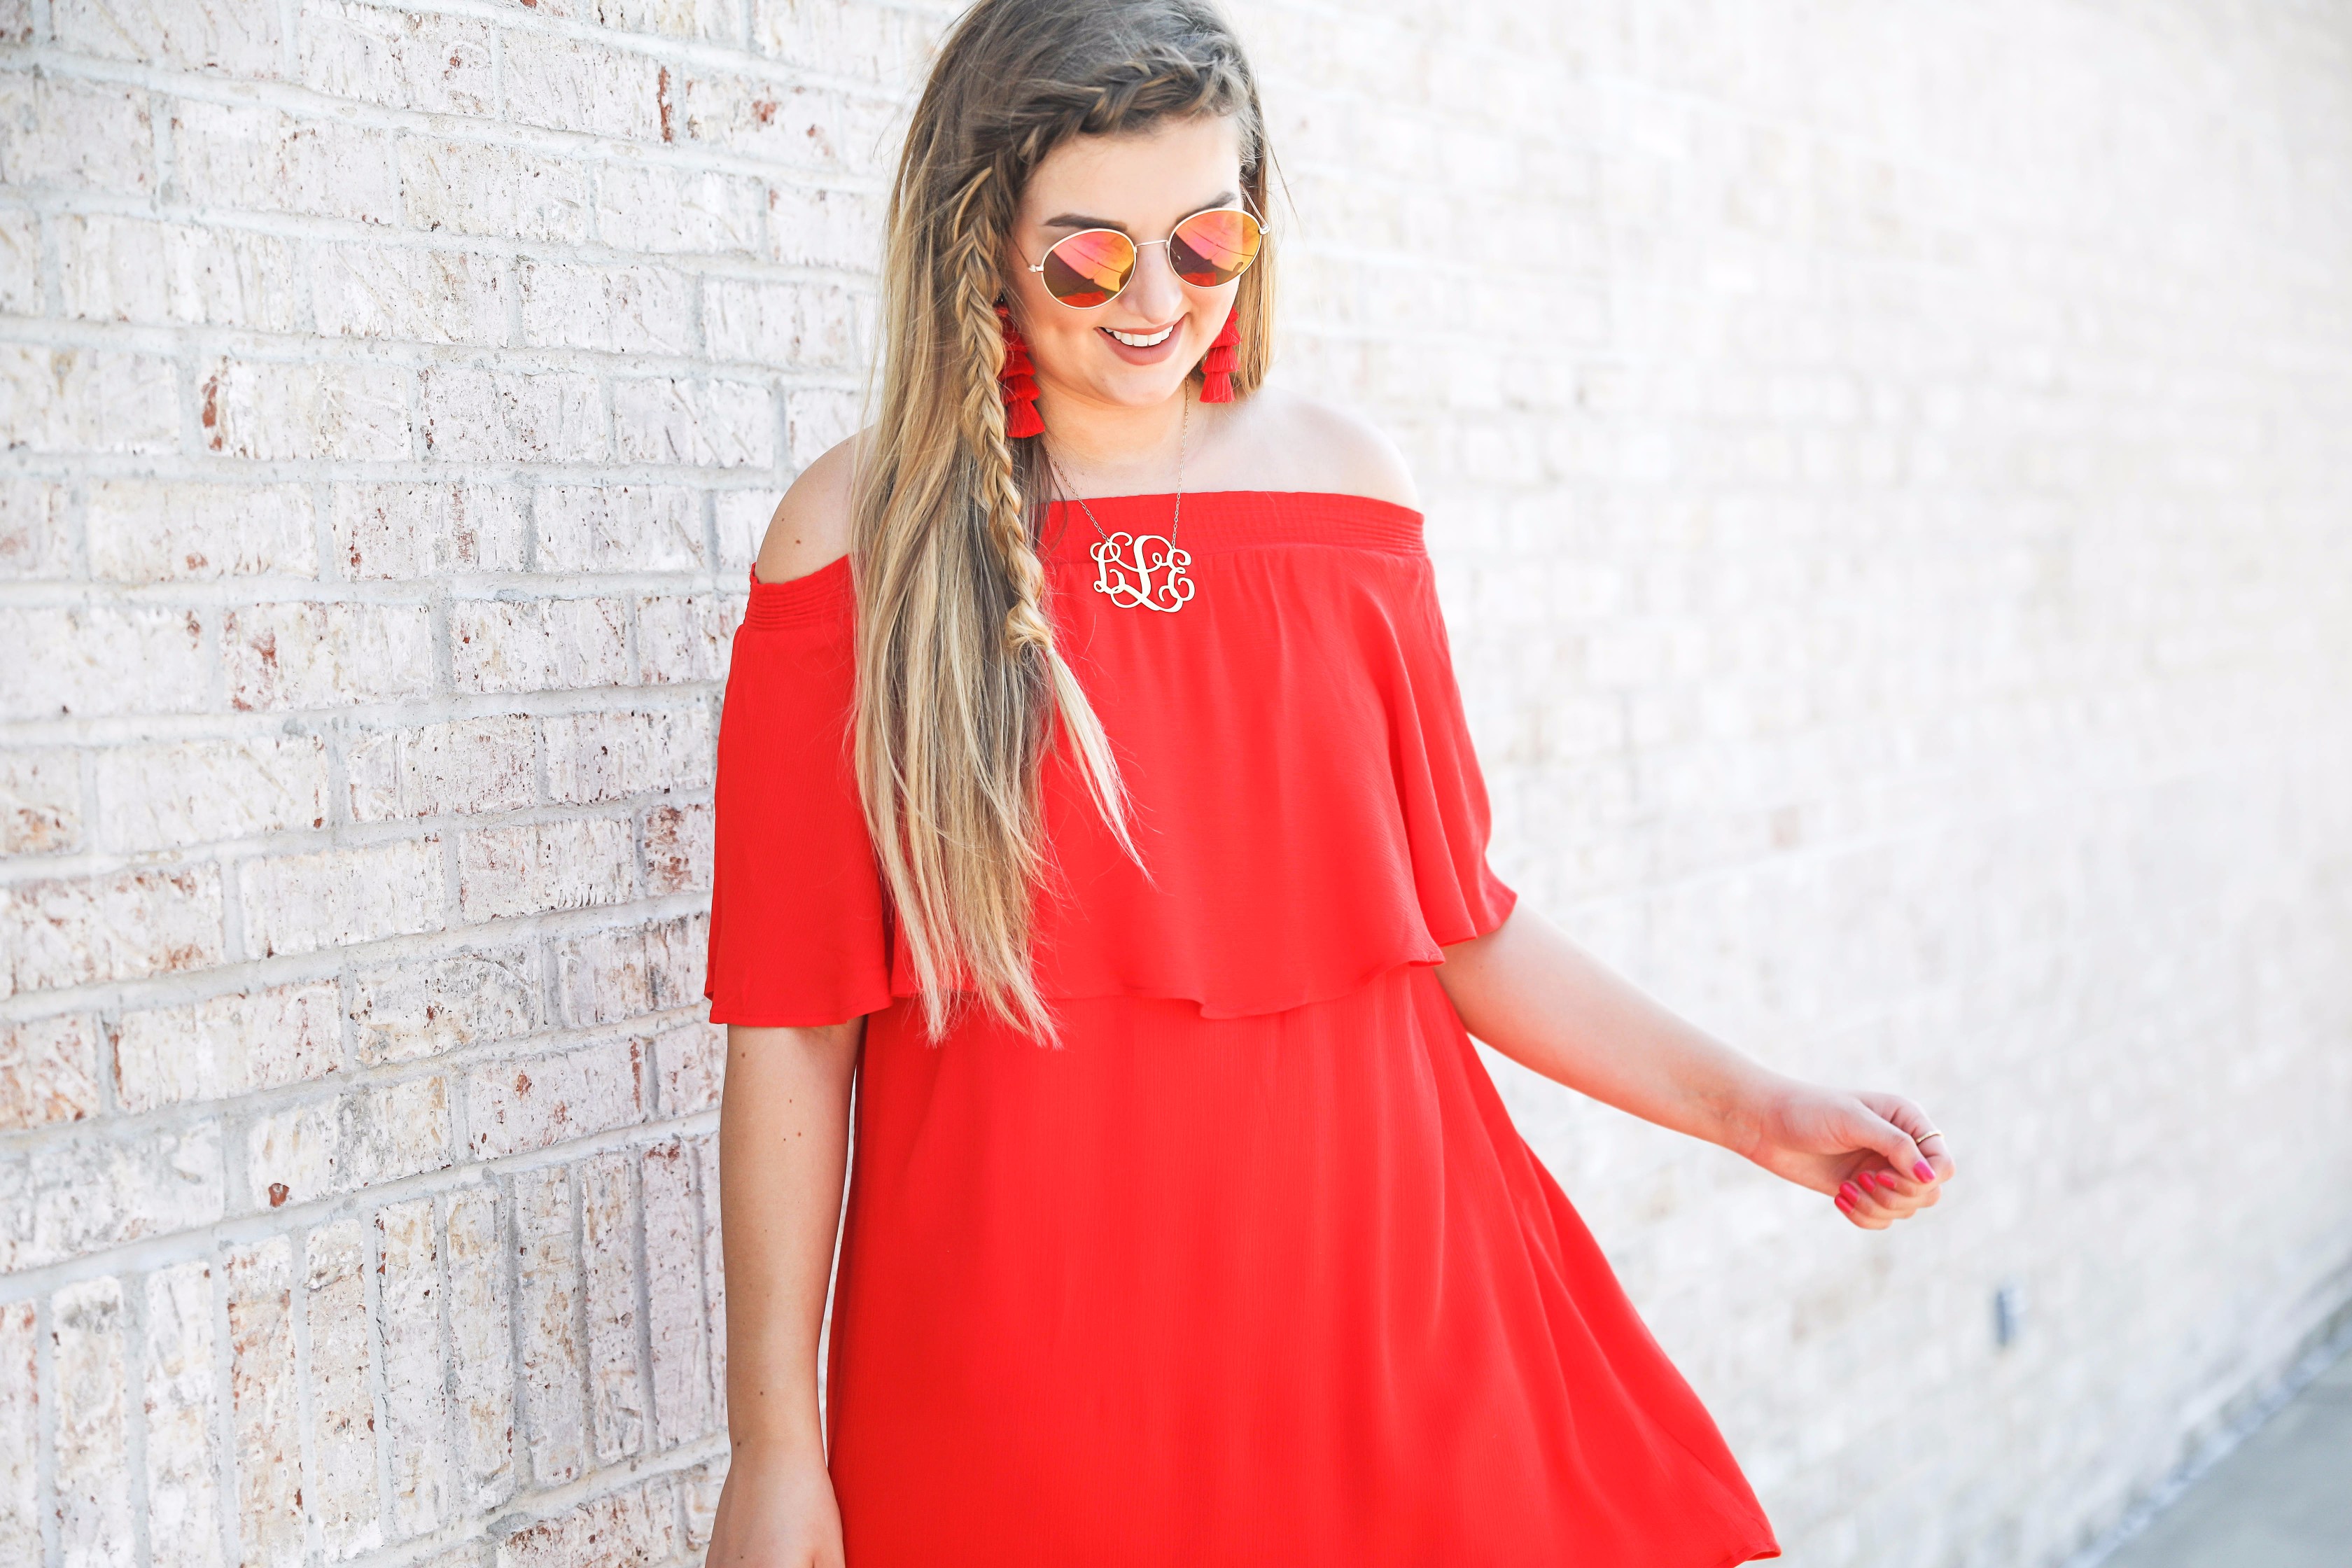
1264 233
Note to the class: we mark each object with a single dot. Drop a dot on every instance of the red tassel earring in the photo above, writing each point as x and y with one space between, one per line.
1217 368
1018 380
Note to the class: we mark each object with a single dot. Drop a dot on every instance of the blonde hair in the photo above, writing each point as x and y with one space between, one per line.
959 681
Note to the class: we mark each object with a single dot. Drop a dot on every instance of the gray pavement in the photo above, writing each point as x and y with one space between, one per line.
2282 1498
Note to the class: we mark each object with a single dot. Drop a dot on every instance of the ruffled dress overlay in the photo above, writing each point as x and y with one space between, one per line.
1254 1268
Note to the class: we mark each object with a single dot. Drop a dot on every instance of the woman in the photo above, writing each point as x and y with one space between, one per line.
1129 850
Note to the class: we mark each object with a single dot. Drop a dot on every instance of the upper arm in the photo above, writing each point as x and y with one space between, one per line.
810 525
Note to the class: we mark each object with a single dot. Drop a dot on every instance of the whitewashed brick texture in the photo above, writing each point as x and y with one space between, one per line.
1888 480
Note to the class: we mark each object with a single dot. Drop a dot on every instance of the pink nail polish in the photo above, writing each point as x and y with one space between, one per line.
1924 1171
1845 1205
1850 1193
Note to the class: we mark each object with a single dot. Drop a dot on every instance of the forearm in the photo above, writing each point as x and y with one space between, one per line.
1533 994
783 1141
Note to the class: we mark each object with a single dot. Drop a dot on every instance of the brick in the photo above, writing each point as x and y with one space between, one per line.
501 416
406 291
468 188
180 793
416 1398
567 84
229 1045
237 37
820 226
35 530
782 325
439 64
87 400
665 211
481 1350
508 872
264 1402
71 133
683 638
554 1427
431 770
376 1132
618 528
705 423
638 1525
90 662
20 1430
868 43
538 644
674 952
20 263
605 755
611 310
335 897
116 269
40 803
608 1230
86 1189
711 20
339 1480
407 1012
412 530
247 408
714 1272
699 1490
48 1070
184 1524
536 1102
256 159
742 517
326 655
603 977
689 1068
672 1232
816 420
92 1439
145 530
793 126
119 925
679 844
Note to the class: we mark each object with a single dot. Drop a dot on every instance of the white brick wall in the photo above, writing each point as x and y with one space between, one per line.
1886 473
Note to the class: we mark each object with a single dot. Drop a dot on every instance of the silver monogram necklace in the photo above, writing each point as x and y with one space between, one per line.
1142 571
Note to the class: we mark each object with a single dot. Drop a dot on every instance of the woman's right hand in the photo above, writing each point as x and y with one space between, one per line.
776 1511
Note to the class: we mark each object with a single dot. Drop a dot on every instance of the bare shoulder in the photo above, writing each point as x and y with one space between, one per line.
1307 444
810 529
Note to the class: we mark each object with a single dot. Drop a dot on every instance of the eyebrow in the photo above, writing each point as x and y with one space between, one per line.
1080 220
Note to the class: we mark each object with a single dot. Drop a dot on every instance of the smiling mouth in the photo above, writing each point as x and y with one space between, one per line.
1141 339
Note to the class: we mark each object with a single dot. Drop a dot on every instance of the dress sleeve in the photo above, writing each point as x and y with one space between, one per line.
1448 823
799 933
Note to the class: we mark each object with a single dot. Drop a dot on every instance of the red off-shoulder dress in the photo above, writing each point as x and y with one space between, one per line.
1254 1268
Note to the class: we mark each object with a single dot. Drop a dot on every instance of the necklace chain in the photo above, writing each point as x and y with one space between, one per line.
1127 568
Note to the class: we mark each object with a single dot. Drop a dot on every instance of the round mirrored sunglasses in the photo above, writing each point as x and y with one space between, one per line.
1087 269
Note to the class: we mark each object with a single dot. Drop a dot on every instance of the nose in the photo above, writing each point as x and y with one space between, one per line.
1155 294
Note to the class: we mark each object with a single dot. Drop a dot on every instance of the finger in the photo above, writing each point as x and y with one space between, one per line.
1857 1215
1938 1156
1894 1143
1880 1198
1900 1199
1854 1199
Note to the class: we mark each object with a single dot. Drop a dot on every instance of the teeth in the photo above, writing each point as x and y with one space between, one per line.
1136 340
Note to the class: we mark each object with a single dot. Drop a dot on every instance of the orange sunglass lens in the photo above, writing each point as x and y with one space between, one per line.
1213 247
1090 266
